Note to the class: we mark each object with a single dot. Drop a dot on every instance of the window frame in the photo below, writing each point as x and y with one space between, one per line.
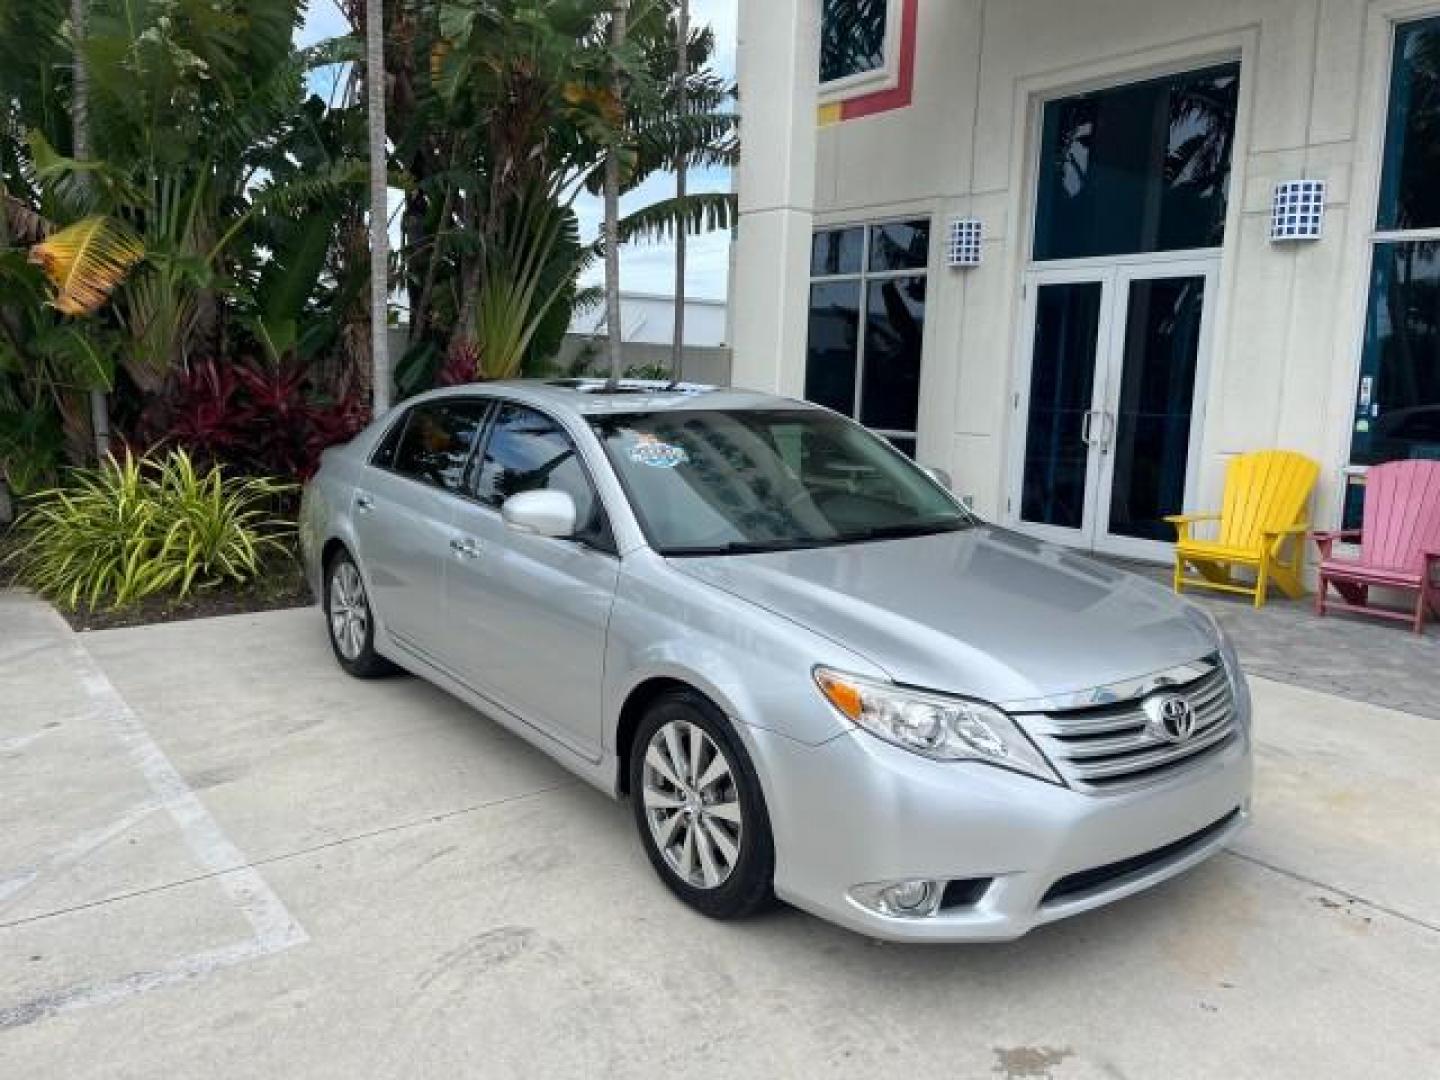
1374 237
600 536
864 277
884 77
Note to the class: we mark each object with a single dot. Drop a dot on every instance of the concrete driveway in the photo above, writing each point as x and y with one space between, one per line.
220 857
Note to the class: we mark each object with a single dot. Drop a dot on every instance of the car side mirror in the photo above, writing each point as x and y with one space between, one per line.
541 513
940 476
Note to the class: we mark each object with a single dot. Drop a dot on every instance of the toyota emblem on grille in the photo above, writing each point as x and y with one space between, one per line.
1171 717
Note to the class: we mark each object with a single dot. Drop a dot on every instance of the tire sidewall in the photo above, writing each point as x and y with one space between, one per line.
369 661
749 885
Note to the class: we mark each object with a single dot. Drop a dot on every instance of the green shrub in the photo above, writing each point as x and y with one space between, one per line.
136 527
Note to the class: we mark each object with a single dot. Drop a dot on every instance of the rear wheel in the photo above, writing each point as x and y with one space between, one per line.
350 620
699 808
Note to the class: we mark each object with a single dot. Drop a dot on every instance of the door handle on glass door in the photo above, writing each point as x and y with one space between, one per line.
1086 427
465 547
1107 431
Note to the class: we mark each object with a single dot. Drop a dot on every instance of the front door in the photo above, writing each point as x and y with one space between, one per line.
1108 403
527 615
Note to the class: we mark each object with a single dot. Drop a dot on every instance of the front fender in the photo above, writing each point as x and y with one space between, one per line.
754 665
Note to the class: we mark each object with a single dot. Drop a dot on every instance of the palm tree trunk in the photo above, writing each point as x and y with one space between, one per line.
612 209
682 107
379 206
80 151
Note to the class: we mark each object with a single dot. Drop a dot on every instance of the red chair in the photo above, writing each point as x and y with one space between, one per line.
1399 545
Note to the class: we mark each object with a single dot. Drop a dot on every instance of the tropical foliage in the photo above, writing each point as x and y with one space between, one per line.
135 527
200 253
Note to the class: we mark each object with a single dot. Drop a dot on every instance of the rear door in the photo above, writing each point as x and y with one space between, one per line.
403 512
527 614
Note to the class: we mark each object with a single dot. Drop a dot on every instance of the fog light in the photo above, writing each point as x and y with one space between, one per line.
912 899
908 895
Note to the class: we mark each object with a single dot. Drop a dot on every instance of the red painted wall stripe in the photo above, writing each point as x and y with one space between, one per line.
900 95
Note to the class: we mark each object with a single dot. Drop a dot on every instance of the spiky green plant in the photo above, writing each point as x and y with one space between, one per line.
138 527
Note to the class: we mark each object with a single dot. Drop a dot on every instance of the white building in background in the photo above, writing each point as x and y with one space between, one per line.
1140 312
649 319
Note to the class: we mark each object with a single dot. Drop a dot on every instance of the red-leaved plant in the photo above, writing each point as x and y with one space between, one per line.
462 365
257 418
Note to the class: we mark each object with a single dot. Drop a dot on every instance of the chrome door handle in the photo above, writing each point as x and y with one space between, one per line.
465 547
364 502
1087 427
1107 431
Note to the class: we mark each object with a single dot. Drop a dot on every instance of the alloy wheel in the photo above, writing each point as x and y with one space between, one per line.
349 612
692 804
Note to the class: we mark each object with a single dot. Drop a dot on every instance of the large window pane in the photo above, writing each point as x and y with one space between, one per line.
900 245
852 38
1410 191
1062 387
1139 168
1398 404
1157 398
836 251
894 330
834 345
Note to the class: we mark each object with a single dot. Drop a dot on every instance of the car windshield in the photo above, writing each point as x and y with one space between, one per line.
714 483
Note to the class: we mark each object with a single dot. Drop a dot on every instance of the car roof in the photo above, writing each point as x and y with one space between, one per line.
598 397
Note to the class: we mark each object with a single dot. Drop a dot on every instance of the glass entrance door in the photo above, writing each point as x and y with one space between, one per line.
1107 420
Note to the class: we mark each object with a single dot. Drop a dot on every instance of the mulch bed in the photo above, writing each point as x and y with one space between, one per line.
282 585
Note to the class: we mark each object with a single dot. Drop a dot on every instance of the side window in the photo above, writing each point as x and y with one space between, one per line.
437 442
384 456
528 451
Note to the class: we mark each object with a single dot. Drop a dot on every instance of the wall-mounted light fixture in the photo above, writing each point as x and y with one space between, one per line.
1298 212
963 247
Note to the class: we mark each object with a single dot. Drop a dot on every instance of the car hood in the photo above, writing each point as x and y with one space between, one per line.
983 612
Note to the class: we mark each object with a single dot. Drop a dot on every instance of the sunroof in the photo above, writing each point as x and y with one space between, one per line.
590 386
627 386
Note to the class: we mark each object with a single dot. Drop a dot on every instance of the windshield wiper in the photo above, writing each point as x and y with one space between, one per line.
753 547
902 531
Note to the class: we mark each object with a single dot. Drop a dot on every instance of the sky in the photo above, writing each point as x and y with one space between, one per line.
644 268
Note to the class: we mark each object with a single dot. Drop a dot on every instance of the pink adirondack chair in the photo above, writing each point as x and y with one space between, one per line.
1399 545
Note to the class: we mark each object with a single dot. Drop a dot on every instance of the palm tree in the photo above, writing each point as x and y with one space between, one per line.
80 149
379 195
682 106
612 201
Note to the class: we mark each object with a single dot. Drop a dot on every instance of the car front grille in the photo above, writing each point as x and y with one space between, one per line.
1116 747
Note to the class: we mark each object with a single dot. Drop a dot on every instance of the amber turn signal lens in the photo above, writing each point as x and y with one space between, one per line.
843 695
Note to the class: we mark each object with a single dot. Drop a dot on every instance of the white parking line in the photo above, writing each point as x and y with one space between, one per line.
77 849
274 928
19 742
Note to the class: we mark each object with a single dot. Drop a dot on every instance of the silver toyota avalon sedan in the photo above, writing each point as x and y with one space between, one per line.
811 671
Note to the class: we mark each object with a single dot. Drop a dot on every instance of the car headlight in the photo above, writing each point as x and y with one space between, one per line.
934 725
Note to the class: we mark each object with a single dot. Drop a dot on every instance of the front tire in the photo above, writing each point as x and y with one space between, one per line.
699 809
350 620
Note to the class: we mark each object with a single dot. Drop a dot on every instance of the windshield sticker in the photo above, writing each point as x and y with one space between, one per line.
652 453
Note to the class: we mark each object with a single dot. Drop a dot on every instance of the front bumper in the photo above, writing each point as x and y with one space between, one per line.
857 810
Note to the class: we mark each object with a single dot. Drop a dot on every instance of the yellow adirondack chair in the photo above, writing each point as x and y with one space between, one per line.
1267 496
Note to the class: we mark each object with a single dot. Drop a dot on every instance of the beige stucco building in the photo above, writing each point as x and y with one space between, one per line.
1134 321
